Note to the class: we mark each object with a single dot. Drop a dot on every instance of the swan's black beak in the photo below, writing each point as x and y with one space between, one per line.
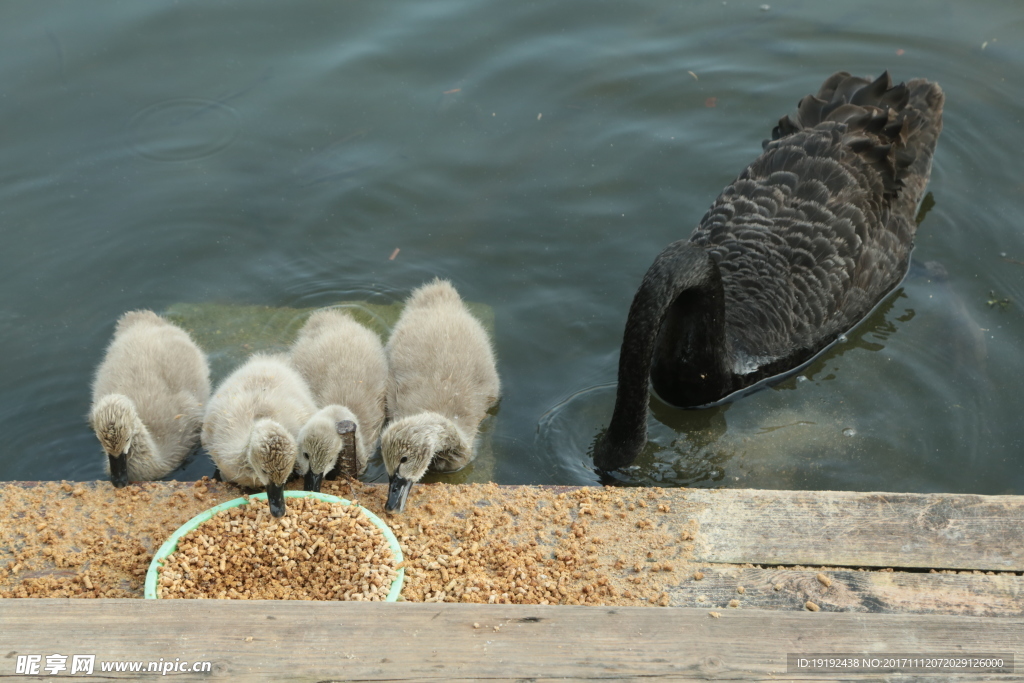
311 482
398 492
118 470
275 499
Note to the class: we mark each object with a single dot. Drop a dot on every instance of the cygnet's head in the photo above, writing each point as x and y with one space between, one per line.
116 422
408 446
327 440
271 454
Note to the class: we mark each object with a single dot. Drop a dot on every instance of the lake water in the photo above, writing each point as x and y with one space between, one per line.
538 154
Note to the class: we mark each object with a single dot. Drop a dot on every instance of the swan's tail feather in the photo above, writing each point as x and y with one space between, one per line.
325 318
435 291
926 100
132 318
893 128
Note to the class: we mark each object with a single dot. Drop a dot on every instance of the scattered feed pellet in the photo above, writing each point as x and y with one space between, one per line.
461 542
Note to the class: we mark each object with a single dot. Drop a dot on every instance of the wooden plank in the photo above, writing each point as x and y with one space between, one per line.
687 528
309 641
815 528
998 595
834 528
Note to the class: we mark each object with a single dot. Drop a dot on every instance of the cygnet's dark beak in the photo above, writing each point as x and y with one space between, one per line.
398 491
275 498
118 470
311 482
347 465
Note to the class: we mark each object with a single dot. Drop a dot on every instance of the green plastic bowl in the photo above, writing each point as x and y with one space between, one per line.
171 544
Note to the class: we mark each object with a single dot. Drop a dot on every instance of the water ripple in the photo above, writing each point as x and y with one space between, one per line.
183 129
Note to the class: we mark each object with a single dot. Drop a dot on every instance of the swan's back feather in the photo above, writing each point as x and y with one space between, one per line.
820 227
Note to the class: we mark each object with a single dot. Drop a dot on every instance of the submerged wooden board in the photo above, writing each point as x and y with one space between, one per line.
835 528
308 641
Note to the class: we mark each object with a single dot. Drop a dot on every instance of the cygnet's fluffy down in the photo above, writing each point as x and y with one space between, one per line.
148 398
443 380
252 424
345 367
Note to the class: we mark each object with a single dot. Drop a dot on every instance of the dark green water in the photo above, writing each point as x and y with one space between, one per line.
538 154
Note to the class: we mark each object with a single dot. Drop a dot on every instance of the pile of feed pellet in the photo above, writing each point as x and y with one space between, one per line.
462 543
319 551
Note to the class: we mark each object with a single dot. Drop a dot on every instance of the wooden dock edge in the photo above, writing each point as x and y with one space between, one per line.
320 641
953 554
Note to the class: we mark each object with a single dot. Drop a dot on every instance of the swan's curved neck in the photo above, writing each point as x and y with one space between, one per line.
143 457
452 449
675 335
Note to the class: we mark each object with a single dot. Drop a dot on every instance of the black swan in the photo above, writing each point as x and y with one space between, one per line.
795 252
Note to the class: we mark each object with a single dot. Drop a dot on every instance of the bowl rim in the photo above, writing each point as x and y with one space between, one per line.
171 544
